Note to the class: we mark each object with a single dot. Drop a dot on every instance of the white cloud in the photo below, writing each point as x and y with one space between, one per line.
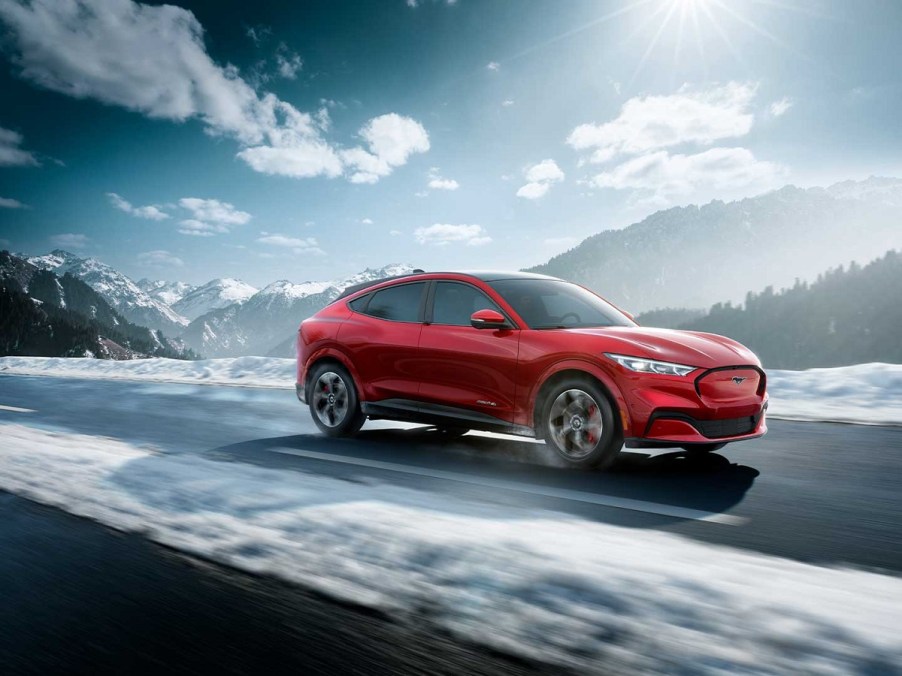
70 240
507 103
416 3
192 226
493 65
9 203
259 34
440 234
540 178
305 245
665 176
288 63
367 221
436 182
11 155
443 184
656 122
545 171
160 258
533 191
394 233
214 211
152 60
303 159
151 211
391 139
778 108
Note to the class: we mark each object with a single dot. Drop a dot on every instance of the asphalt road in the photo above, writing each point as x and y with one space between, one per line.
817 492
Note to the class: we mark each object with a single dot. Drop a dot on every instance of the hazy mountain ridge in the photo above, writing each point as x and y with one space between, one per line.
270 318
696 256
213 295
118 290
168 293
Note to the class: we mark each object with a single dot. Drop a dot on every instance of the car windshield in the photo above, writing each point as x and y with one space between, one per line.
555 304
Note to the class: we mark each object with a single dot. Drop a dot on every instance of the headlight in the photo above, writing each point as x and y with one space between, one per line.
650 365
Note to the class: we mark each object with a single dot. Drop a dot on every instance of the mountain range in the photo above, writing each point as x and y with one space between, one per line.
685 257
695 256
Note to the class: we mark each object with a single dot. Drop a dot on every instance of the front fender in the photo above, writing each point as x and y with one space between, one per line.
591 368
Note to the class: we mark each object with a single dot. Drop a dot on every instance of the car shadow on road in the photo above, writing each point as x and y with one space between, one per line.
710 483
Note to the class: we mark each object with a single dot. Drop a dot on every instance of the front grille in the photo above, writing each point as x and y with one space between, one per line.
730 427
712 429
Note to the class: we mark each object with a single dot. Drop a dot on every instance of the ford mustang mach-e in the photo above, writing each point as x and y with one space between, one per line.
524 354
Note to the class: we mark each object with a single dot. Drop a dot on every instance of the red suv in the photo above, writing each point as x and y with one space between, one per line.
524 354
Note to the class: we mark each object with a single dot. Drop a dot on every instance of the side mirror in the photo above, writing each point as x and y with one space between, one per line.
488 319
630 315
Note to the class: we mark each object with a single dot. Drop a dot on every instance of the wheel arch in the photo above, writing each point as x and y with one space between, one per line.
332 355
565 370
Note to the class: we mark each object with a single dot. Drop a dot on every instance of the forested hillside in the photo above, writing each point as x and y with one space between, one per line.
850 315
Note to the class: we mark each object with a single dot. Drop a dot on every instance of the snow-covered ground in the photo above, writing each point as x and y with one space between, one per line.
864 393
240 371
591 596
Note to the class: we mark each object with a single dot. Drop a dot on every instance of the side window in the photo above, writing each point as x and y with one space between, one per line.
358 304
454 303
398 303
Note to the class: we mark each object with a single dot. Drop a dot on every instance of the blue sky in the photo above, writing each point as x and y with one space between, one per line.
308 140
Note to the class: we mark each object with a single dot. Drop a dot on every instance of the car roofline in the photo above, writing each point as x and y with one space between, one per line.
482 275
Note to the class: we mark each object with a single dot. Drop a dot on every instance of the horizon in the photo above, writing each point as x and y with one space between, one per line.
391 263
310 142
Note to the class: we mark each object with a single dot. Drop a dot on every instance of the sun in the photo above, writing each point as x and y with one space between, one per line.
703 18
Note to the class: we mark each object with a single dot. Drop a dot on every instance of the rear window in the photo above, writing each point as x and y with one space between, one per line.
359 303
397 303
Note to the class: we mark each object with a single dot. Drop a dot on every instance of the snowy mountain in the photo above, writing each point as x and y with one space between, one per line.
167 293
270 317
118 290
213 295
697 256
47 315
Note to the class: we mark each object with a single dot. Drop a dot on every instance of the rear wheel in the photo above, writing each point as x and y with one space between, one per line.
333 401
579 424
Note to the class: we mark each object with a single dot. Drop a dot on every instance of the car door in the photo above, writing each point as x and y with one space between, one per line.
382 336
472 370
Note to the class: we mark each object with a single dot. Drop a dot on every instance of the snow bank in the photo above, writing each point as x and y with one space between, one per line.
864 393
592 597
242 371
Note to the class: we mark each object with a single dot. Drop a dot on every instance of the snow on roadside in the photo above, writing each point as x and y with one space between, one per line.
241 371
863 393
590 596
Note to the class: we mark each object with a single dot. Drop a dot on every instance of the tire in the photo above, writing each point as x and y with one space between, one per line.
579 424
334 405
702 449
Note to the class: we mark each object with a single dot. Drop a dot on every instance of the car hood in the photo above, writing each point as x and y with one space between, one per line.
693 348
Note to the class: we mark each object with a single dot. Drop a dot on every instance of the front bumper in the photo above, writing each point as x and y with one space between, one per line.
719 405
673 428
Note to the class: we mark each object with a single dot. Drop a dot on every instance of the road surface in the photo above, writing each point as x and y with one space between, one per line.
815 492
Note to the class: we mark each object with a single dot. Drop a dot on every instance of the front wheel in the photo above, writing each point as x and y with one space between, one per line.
579 424
333 401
